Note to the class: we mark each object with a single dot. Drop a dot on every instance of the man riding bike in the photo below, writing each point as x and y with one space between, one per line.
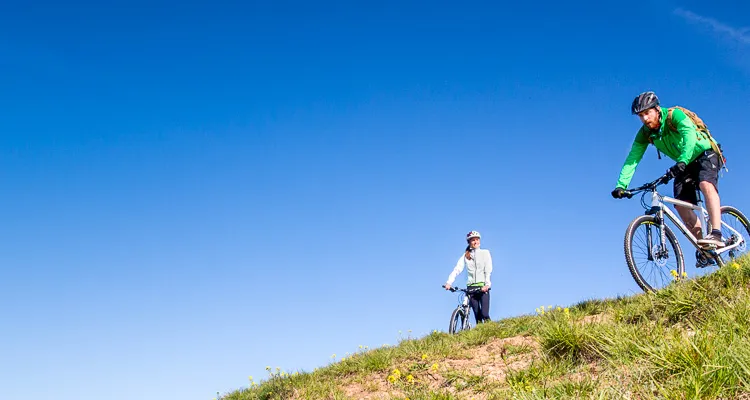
696 166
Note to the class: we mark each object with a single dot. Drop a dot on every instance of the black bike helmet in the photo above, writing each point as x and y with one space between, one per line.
643 102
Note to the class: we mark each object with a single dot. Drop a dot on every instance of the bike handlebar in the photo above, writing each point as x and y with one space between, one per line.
651 186
467 291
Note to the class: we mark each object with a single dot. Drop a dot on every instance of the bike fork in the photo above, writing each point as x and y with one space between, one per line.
467 310
650 246
662 238
661 228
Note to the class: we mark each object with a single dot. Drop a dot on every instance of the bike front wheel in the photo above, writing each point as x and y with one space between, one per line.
652 264
457 320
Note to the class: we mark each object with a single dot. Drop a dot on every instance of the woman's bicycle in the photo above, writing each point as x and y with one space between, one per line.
460 320
654 255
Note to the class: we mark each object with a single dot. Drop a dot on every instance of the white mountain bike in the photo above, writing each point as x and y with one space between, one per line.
652 251
460 320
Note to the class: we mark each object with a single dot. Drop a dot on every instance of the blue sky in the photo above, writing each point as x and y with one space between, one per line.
193 192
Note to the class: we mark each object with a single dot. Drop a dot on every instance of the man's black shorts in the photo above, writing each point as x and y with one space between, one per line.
704 168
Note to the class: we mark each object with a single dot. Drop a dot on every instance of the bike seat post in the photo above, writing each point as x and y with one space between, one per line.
703 217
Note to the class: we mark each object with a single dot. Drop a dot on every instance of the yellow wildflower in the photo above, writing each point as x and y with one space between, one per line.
735 265
410 378
424 357
673 272
434 367
396 375
684 274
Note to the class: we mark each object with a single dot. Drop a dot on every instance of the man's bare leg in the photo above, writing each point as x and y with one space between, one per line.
691 221
713 204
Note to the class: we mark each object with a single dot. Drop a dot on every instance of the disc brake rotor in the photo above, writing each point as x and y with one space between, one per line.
661 257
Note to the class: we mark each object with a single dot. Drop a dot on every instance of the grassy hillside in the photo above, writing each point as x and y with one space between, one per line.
688 341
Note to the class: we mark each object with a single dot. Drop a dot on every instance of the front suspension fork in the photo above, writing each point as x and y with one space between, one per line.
663 235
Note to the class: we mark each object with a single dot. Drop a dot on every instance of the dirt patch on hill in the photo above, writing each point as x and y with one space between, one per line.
491 361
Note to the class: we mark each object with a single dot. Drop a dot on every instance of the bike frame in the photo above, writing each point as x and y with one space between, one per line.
467 311
658 205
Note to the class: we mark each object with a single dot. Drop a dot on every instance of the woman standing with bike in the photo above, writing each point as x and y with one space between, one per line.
478 265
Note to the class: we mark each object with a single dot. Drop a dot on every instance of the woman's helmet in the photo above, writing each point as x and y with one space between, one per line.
473 234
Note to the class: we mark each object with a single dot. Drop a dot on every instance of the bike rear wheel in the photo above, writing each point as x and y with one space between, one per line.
457 320
739 222
650 263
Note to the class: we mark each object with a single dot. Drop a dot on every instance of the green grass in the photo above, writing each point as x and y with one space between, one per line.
690 340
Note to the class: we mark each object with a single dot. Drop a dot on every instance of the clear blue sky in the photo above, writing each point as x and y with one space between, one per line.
193 192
